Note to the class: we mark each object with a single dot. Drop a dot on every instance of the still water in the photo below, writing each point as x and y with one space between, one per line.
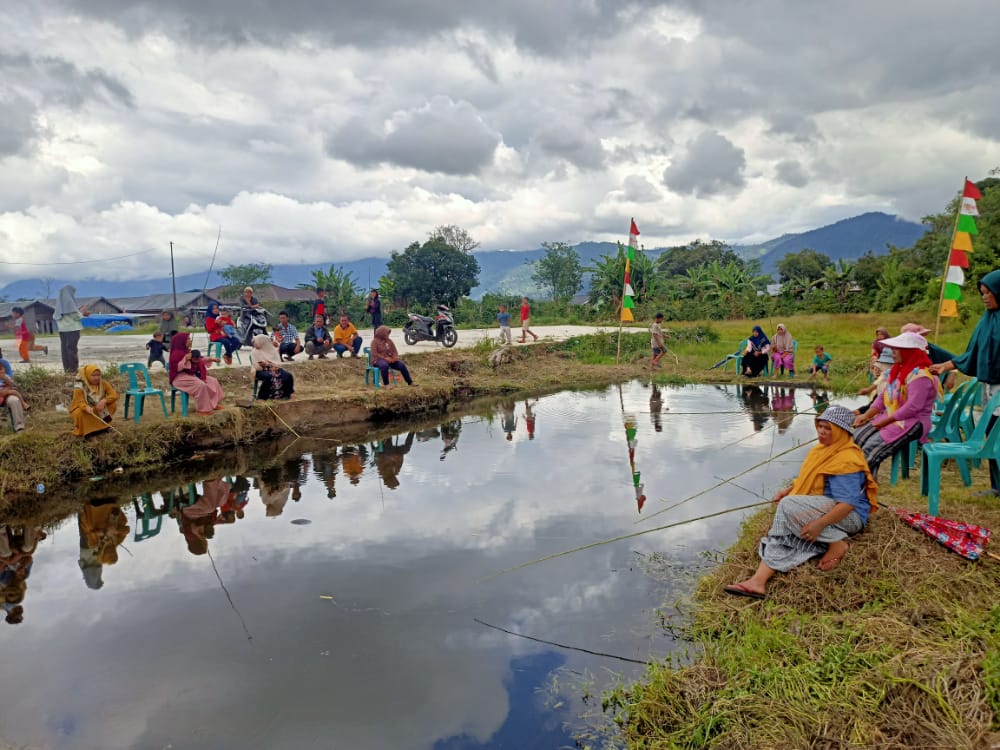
344 597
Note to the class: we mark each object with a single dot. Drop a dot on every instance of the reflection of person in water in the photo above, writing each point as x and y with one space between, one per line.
236 500
389 459
353 459
325 467
273 491
820 399
449 436
17 548
198 520
783 408
102 527
508 420
529 419
757 402
656 408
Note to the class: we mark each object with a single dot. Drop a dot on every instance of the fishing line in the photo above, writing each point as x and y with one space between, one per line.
231 602
212 264
560 645
622 537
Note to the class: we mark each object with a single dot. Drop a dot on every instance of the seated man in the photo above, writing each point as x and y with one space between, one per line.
318 340
286 338
13 400
345 336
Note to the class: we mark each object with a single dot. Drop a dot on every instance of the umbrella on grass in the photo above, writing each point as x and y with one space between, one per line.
965 539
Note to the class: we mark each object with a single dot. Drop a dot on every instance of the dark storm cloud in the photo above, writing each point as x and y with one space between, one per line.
62 82
547 28
791 173
711 164
442 136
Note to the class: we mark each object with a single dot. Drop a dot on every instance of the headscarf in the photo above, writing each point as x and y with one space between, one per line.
92 393
842 456
782 340
210 310
910 360
66 304
382 345
758 340
982 356
263 351
178 350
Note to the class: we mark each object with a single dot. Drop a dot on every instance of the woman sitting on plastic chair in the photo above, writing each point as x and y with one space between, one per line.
221 328
207 393
902 413
384 356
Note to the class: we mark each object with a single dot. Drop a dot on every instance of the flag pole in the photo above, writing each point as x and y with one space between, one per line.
947 260
618 358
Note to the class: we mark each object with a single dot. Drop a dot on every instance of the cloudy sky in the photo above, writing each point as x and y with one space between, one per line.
328 131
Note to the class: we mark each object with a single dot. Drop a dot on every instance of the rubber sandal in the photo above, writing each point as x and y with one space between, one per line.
738 589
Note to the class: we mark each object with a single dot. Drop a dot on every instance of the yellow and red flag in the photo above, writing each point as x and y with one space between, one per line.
961 245
628 294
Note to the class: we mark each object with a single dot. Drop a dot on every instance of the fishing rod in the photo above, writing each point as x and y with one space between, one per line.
560 645
621 538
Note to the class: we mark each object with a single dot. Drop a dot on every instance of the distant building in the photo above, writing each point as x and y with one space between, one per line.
97 305
37 316
264 293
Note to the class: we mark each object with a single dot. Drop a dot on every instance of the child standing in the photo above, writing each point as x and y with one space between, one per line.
156 348
25 339
821 364
526 321
656 340
503 320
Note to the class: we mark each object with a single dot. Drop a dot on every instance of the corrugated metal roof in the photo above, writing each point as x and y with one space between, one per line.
5 307
157 302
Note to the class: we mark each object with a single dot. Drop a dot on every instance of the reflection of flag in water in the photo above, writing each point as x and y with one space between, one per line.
628 303
961 244
630 430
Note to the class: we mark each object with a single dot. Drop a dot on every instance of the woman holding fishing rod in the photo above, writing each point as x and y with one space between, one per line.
828 502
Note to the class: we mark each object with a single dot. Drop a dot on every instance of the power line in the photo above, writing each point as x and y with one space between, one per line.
72 262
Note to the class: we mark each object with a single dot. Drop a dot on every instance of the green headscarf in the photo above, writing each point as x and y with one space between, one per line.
982 355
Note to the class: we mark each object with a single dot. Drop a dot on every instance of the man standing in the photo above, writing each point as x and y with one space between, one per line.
286 338
345 336
318 339
526 321
656 340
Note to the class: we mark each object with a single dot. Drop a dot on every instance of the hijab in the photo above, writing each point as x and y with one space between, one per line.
66 304
382 345
178 350
210 312
982 356
93 393
782 340
841 456
264 351
758 340
910 360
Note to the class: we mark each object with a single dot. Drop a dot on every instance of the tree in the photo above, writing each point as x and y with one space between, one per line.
453 236
560 271
250 274
340 287
607 279
432 273
676 261
805 264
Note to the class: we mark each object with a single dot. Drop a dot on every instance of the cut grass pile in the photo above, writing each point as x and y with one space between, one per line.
899 647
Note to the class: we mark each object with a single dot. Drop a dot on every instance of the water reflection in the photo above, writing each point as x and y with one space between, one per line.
758 405
364 622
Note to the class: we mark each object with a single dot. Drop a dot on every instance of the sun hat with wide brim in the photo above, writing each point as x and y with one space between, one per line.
908 340
914 328
840 416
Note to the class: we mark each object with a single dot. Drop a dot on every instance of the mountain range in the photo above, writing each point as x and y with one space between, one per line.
509 271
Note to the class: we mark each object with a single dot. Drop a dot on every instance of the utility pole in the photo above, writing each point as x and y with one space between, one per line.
173 278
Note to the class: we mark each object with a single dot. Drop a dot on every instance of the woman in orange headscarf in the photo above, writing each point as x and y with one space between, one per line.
830 500
94 402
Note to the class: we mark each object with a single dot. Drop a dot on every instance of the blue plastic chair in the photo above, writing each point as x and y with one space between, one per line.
371 369
215 350
144 516
980 444
133 370
173 401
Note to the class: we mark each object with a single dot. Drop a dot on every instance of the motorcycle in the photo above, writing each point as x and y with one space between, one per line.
440 328
253 320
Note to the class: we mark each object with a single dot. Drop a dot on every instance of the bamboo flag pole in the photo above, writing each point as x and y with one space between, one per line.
947 261
618 357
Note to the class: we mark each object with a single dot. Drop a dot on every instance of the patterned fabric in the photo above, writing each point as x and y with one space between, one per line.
783 549
966 539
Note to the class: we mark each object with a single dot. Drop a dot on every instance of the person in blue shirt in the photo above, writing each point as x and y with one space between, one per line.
821 364
503 320
6 366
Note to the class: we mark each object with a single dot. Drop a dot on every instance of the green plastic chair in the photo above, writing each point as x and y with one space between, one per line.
371 369
215 350
133 370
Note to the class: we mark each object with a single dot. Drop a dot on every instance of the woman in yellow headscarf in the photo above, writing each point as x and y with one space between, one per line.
94 402
830 500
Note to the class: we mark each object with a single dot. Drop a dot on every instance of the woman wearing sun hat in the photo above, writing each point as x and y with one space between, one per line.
829 501
982 355
902 413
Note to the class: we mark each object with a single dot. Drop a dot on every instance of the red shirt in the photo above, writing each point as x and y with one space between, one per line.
525 312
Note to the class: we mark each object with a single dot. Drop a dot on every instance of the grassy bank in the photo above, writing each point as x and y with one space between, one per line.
898 647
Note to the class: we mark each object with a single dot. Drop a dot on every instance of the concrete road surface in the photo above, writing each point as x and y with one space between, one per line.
116 348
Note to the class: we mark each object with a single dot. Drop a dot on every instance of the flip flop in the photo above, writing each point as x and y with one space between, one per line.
831 563
738 589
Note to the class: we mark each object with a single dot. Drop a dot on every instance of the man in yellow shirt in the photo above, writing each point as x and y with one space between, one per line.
345 336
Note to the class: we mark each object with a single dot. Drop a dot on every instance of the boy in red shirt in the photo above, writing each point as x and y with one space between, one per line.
526 321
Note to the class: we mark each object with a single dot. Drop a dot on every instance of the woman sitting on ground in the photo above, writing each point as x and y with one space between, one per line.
221 328
902 413
384 356
13 400
207 393
274 382
830 500
94 402
756 354
783 351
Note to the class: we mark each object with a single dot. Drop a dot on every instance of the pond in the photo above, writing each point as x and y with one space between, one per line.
347 597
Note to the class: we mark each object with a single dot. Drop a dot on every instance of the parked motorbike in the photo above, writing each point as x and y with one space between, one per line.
440 328
253 320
